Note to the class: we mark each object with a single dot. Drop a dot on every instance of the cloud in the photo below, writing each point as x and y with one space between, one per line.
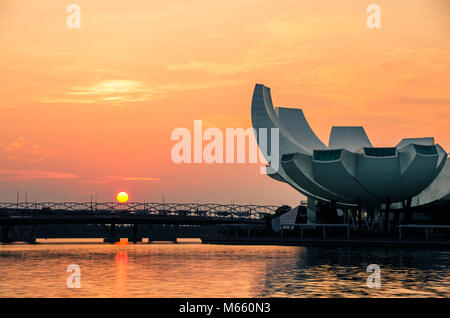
283 40
113 90
139 179
109 87
106 179
251 62
110 91
28 175
423 100
124 91
24 150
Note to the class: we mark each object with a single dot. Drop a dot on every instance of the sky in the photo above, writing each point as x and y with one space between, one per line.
91 110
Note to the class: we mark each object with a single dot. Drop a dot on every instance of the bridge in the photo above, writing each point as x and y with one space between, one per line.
30 215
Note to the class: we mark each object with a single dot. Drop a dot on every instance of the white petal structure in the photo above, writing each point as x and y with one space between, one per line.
350 138
336 170
350 171
297 126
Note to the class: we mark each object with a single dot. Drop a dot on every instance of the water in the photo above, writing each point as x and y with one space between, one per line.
195 270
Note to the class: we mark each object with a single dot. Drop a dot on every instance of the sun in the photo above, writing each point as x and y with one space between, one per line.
122 197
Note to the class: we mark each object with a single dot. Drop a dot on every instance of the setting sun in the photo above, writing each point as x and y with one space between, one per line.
122 197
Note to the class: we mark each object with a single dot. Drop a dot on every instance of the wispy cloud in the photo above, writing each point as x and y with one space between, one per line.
31 174
111 91
280 41
423 100
106 179
251 63
110 87
120 92
23 150
139 179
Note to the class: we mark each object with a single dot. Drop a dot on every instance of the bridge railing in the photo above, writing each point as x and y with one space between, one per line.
179 209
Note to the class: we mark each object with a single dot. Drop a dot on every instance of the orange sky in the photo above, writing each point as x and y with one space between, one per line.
92 109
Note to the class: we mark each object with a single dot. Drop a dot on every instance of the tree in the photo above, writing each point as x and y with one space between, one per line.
282 209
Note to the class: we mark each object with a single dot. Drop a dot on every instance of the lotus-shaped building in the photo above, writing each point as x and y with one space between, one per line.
350 171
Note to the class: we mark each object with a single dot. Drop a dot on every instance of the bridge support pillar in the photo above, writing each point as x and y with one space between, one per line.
110 240
164 233
11 233
31 238
134 238
112 236
5 234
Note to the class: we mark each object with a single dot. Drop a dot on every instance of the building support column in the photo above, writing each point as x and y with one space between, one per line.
397 217
408 212
386 215
371 214
334 207
359 212
311 210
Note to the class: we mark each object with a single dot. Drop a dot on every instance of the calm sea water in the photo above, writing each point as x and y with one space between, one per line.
191 269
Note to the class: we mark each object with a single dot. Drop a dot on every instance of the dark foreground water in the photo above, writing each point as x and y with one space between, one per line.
194 270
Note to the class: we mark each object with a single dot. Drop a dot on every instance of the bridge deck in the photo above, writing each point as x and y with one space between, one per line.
130 213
